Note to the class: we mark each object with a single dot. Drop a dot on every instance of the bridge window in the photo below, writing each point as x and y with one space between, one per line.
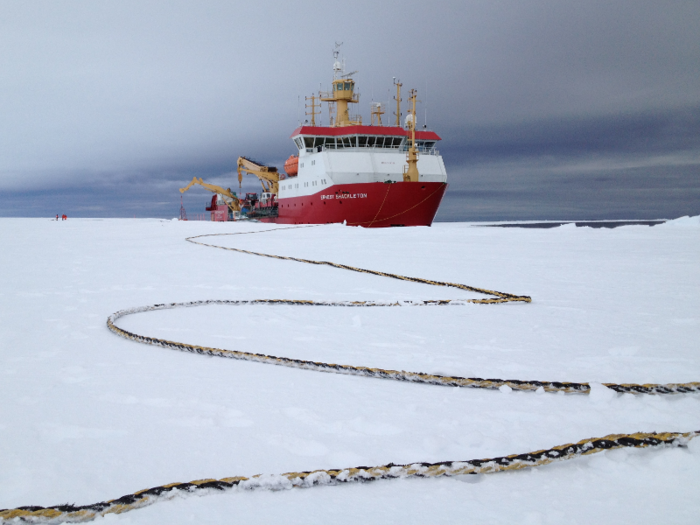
355 141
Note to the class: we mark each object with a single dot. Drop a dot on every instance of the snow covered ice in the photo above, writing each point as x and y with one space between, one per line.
87 416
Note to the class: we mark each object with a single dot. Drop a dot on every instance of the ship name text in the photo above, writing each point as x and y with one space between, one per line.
345 196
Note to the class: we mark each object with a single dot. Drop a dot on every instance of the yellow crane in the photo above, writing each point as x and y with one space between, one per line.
230 198
268 176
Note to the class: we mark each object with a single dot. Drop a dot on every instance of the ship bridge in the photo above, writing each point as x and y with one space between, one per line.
315 139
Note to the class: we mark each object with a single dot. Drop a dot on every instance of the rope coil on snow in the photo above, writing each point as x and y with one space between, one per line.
73 513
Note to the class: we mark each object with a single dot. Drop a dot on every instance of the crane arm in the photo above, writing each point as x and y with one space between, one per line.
268 176
233 203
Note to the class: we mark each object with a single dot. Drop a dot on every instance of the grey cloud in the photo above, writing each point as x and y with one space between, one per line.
493 195
644 133
122 102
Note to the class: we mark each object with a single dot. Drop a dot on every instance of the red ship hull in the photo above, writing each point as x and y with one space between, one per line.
371 205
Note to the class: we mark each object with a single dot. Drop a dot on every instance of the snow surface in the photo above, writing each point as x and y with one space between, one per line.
87 416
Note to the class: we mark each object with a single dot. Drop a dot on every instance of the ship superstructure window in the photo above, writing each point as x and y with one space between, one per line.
380 142
425 146
357 141
324 142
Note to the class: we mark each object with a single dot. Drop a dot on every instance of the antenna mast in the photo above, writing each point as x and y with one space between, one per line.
312 107
377 112
411 173
397 98
337 66
341 94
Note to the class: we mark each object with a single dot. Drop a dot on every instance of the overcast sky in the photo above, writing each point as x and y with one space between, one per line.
547 109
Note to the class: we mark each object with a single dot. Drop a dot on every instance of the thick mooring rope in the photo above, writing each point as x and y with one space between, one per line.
416 377
74 513
381 373
288 480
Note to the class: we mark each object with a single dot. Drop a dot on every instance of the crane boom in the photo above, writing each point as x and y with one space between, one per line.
230 198
268 176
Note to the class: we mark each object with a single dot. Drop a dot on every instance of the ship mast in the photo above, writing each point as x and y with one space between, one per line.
312 107
397 98
411 173
343 93
377 110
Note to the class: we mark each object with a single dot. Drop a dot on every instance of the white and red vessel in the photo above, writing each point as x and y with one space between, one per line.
356 174
369 176
363 175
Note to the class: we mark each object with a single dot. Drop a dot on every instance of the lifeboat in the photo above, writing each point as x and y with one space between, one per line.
291 166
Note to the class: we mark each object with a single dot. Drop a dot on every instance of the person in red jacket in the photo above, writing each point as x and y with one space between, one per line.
64 218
